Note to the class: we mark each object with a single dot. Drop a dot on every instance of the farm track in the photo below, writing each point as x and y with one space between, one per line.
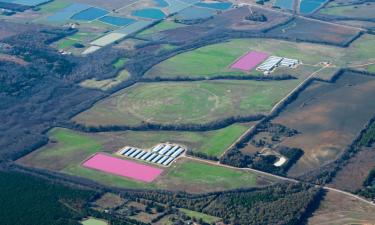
281 178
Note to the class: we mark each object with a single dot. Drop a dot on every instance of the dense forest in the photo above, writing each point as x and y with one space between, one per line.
30 200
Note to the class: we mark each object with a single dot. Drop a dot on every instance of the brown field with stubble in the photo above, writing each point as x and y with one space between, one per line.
352 175
339 209
328 116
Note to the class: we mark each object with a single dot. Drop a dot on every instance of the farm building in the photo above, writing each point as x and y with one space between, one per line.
275 61
161 154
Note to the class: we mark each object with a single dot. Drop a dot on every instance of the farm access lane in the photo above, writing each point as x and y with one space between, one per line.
280 178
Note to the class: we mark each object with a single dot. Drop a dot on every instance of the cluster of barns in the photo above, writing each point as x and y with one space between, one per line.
276 61
162 154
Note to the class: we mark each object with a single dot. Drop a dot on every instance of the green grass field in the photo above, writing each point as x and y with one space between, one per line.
162 26
186 102
210 142
93 221
106 83
363 10
206 218
120 62
68 149
53 6
214 60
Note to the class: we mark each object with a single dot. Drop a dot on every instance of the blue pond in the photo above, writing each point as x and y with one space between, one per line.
90 14
194 13
149 13
176 6
26 2
215 5
65 14
284 4
309 6
161 3
117 21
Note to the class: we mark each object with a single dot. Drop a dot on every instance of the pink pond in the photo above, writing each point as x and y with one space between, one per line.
249 61
122 167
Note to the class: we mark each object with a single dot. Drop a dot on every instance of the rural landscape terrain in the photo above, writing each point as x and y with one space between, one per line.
241 112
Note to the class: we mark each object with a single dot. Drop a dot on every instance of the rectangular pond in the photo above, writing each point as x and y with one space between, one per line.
90 14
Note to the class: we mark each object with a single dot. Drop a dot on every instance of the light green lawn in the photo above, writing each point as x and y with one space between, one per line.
70 149
206 175
186 102
54 6
206 218
120 62
65 43
214 60
164 25
93 221
106 83
364 10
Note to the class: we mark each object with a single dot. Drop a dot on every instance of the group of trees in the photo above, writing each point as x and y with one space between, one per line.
30 200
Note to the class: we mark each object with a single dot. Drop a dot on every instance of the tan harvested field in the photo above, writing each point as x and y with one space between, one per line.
339 209
353 174
328 116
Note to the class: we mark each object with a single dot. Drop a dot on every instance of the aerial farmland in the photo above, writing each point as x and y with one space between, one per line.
188 111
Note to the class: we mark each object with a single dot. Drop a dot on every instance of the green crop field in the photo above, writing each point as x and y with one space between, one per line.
186 102
214 60
106 83
93 221
162 26
206 218
213 142
68 149
53 6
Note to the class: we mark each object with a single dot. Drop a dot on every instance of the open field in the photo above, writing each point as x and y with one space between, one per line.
186 102
68 149
340 209
162 26
307 30
329 116
214 60
352 175
206 218
365 10
93 221
106 83
213 143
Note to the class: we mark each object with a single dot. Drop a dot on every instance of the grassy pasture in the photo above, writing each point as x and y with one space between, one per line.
213 60
106 83
365 10
210 142
67 149
206 218
93 221
53 6
162 26
186 102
